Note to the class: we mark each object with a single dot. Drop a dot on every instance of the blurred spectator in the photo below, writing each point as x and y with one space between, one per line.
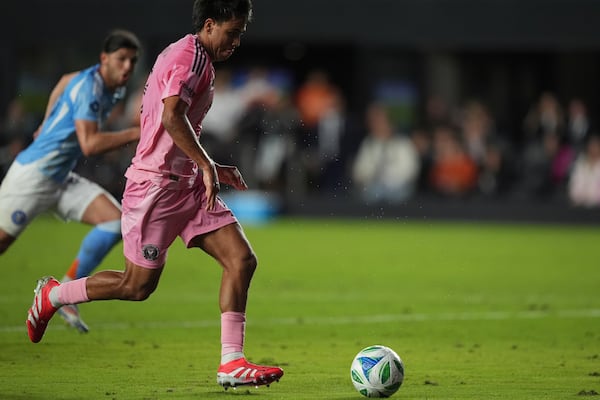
337 138
546 117
421 139
437 112
486 148
571 144
477 128
314 98
584 182
545 159
386 167
453 172
327 134
579 124
267 128
278 124
16 132
221 124
536 174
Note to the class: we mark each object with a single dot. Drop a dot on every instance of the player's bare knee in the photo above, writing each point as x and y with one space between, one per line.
241 264
249 263
142 292
136 292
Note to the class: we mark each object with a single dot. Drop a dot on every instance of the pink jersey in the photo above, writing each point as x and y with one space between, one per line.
183 69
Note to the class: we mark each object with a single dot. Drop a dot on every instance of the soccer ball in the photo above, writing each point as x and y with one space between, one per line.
377 371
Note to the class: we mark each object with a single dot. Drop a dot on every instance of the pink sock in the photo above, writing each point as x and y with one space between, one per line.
233 327
72 292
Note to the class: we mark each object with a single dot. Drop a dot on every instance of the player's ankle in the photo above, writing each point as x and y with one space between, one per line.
225 358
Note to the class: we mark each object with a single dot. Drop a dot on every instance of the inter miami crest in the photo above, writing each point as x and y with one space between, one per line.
150 252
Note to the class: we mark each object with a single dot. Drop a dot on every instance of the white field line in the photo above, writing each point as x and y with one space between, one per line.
343 320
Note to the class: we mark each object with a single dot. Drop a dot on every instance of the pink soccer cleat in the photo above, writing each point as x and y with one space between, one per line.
240 372
41 310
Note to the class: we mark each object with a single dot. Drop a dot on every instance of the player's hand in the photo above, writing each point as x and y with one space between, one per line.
211 183
230 175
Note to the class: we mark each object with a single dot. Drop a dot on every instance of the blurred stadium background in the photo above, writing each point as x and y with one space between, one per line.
493 102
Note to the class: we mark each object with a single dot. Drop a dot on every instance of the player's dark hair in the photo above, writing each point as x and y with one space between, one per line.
119 39
220 11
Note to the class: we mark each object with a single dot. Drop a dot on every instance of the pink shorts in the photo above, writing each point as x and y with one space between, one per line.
153 217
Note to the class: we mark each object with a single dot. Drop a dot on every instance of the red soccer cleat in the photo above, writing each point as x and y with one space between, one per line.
241 372
41 310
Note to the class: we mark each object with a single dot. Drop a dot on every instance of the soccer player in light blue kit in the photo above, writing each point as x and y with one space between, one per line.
41 178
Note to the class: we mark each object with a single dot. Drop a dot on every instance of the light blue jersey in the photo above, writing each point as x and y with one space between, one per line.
56 150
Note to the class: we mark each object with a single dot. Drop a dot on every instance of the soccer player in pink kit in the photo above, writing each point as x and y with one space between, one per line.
172 187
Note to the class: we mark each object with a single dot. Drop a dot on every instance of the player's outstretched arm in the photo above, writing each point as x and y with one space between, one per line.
94 142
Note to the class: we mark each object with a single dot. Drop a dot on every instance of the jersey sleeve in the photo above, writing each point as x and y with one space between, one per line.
181 82
85 104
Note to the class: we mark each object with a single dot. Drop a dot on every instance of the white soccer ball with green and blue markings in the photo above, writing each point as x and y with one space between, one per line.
377 371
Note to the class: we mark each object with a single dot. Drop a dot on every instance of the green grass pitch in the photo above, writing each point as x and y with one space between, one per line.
476 311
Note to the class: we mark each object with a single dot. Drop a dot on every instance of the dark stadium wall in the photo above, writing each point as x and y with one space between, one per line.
523 24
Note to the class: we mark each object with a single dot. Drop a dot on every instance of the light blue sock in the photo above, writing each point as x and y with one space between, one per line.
96 245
